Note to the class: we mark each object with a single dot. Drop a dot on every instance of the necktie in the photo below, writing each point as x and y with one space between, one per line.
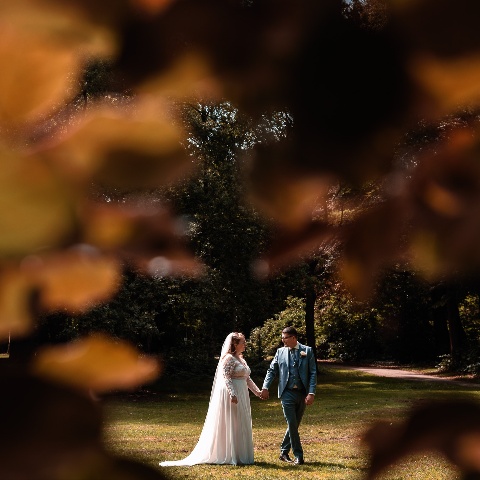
294 354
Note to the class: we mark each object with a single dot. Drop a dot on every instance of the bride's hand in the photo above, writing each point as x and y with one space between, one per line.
234 399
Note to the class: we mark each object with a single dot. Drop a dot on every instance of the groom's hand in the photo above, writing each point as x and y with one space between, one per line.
309 399
264 395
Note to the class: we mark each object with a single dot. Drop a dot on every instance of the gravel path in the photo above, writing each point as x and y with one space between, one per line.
406 374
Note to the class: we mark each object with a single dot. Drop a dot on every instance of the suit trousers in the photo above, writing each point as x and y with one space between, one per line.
293 404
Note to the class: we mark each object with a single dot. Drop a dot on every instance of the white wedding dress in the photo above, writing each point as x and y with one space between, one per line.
226 436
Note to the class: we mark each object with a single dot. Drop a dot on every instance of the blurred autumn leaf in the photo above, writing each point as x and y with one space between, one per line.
15 303
449 428
431 221
140 234
55 41
132 148
73 280
43 213
96 363
36 81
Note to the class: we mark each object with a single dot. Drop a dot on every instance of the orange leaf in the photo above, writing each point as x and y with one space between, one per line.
35 208
122 149
15 316
75 279
151 6
96 363
39 76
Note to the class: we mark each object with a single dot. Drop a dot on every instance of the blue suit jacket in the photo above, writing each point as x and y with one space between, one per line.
307 367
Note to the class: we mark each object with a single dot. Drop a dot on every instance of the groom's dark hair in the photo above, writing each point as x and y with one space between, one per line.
290 331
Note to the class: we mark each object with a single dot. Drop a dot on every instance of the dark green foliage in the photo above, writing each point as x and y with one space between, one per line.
133 315
99 80
370 15
346 329
265 340
468 360
406 328
395 326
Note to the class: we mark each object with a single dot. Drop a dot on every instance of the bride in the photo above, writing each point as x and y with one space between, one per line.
226 437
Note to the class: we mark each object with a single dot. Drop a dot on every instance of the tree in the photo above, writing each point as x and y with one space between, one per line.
224 230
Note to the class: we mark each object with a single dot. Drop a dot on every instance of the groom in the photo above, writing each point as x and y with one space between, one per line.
297 370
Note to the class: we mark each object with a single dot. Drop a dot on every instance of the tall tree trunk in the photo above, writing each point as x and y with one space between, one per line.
442 335
440 323
310 298
458 337
447 316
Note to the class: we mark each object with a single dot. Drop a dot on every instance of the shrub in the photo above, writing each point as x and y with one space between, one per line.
265 340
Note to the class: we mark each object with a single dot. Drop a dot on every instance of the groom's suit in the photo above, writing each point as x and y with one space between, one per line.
297 377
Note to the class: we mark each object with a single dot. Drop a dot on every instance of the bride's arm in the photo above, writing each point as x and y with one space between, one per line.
228 367
253 387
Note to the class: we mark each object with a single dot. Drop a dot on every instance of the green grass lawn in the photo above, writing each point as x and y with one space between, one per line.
162 426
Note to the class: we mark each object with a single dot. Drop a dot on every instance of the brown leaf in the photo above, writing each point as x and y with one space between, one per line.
442 51
291 247
285 191
468 451
443 198
133 222
127 149
437 26
178 264
151 7
109 225
109 14
450 428
39 77
179 37
65 24
431 221
371 243
96 363
35 207
15 295
74 280
449 83
145 235
51 431
189 77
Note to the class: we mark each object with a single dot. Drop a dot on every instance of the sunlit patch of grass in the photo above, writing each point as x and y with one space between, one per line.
427 467
164 426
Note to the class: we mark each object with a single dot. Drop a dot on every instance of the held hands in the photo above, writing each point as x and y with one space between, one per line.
234 399
264 394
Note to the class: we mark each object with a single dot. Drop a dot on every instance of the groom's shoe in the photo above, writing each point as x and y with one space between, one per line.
298 461
285 458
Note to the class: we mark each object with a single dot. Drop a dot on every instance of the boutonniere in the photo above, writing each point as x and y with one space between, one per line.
303 354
